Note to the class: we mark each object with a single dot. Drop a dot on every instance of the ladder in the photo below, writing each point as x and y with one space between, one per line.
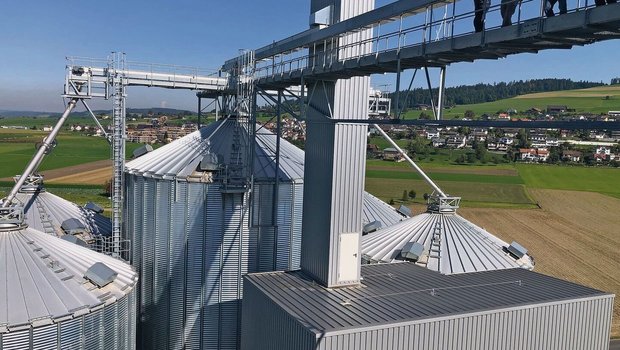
434 251
117 66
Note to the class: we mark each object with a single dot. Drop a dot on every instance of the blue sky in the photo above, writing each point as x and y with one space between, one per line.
35 37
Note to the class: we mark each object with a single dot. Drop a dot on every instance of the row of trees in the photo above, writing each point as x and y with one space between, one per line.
479 93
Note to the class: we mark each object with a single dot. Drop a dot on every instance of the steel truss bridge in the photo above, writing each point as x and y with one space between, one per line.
405 34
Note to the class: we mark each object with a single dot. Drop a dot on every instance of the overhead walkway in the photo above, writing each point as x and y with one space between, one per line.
432 44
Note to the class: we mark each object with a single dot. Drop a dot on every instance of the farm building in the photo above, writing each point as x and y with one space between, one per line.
405 306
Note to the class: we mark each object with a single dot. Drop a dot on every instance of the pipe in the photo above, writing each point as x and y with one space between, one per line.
38 157
413 164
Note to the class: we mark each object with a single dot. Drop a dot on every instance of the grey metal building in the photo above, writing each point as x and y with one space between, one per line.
192 240
57 295
405 306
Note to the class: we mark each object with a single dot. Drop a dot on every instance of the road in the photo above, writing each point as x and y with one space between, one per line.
614 344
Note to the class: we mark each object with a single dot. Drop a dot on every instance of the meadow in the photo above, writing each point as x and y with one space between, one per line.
18 146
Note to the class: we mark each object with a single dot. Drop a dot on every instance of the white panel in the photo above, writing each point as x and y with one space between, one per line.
348 263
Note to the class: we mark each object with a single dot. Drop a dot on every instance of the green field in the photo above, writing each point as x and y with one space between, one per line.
602 180
18 146
593 100
488 186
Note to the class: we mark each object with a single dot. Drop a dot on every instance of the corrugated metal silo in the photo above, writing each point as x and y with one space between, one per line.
49 213
192 241
57 295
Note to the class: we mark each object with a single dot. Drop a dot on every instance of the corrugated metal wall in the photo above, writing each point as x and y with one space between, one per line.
582 324
191 247
266 326
277 247
335 158
576 325
112 327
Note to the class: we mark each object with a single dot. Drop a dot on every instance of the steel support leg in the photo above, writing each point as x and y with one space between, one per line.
430 92
397 98
442 93
199 111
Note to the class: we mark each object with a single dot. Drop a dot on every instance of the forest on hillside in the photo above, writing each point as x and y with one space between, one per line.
480 93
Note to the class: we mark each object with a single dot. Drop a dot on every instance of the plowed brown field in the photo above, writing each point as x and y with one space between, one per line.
574 236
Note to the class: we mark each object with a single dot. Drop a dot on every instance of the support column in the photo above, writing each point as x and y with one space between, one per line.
199 109
442 93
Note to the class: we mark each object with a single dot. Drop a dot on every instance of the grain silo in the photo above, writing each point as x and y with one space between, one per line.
51 214
58 295
443 241
193 239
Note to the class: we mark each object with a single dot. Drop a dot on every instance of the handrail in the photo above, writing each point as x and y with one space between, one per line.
451 25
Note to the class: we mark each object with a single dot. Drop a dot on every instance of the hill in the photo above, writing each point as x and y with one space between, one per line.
154 110
592 100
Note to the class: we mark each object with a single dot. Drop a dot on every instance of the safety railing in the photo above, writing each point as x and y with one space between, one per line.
437 22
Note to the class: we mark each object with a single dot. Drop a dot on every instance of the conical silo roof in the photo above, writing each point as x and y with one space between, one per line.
49 213
180 159
377 210
47 280
451 244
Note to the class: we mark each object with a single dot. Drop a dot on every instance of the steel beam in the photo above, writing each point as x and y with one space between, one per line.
566 125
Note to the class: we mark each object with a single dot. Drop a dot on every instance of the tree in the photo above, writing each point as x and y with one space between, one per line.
404 196
107 187
412 194
426 196
471 158
391 202
425 116
470 114
460 159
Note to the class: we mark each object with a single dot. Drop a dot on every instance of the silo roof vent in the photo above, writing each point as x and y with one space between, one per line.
209 162
142 151
371 227
73 226
75 240
93 207
404 210
517 250
100 274
412 251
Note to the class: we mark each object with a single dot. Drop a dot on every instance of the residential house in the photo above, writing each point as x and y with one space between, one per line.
392 154
47 128
556 109
439 142
479 134
432 133
533 154
571 156
503 116
456 141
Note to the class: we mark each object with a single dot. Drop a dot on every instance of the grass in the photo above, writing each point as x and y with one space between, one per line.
601 180
42 121
495 179
480 194
17 148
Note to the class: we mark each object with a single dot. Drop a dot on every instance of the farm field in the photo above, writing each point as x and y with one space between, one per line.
18 146
574 236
